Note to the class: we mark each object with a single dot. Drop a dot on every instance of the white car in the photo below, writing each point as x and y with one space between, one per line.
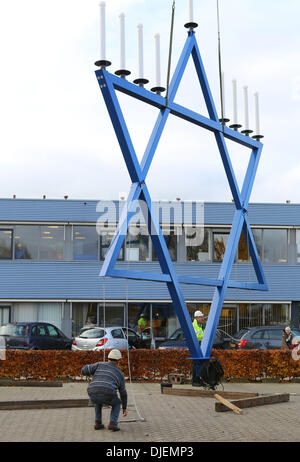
98 338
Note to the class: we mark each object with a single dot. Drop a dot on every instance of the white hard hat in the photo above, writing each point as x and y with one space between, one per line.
198 314
115 354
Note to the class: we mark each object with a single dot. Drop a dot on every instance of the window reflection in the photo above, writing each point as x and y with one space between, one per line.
170 237
5 244
275 245
27 242
51 242
197 244
85 243
105 241
137 246
220 241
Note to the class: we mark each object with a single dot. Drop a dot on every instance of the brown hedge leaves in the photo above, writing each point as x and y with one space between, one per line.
147 365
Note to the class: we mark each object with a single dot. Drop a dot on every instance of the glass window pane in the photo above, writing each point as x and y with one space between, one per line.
137 246
243 250
51 242
5 244
85 243
257 234
171 241
105 241
163 320
220 241
27 242
275 245
197 244
298 244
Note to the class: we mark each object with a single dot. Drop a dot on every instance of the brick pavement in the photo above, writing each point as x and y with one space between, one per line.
168 418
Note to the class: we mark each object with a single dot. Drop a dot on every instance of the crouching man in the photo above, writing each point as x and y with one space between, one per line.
107 380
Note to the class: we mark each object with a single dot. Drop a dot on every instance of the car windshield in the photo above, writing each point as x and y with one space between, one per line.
93 333
13 331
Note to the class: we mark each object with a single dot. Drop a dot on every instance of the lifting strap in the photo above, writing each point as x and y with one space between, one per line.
170 51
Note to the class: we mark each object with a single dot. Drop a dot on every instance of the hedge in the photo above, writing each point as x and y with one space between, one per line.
148 365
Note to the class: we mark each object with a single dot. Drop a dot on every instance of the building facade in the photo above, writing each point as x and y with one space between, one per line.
51 252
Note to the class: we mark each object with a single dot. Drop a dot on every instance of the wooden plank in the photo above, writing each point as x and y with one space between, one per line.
228 404
43 404
252 402
25 383
206 393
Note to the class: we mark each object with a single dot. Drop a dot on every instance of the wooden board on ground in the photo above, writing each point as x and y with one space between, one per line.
206 393
228 404
252 402
43 404
25 383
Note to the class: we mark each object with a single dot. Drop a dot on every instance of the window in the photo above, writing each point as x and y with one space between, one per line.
243 249
85 243
93 333
275 245
117 333
258 239
273 334
51 242
197 244
44 242
171 241
220 242
257 334
53 332
6 244
298 244
27 242
137 246
105 241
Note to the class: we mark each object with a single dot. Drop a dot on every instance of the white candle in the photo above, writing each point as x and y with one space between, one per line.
245 90
191 11
234 102
157 58
102 31
122 40
140 51
256 113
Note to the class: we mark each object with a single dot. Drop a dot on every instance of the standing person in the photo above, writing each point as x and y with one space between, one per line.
107 380
199 331
286 339
142 323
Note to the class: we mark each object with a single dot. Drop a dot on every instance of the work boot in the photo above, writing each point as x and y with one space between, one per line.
98 425
112 426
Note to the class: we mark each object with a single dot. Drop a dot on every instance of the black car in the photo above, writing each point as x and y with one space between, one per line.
177 340
261 338
34 336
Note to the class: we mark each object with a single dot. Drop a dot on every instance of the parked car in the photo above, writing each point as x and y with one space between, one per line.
177 340
97 338
260 337
34 336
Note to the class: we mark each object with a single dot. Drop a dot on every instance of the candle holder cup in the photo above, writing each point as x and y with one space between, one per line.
247 132
258 137
123 73
141 82
191 25
235 126
158 90
103 63
224 121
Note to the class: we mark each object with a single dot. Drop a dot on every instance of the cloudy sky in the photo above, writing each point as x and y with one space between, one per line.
56 136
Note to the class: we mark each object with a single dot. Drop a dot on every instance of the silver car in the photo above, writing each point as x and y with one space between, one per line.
98 338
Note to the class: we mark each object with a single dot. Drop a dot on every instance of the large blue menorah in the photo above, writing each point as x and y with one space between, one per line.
109 83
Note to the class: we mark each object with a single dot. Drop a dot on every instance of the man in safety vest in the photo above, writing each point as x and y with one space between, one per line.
199 331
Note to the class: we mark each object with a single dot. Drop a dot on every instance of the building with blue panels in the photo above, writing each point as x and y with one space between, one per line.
51 252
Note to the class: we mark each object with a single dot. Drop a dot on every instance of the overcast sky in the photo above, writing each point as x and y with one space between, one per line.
56 136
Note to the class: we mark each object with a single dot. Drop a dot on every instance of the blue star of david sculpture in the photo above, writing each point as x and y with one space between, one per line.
109 83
